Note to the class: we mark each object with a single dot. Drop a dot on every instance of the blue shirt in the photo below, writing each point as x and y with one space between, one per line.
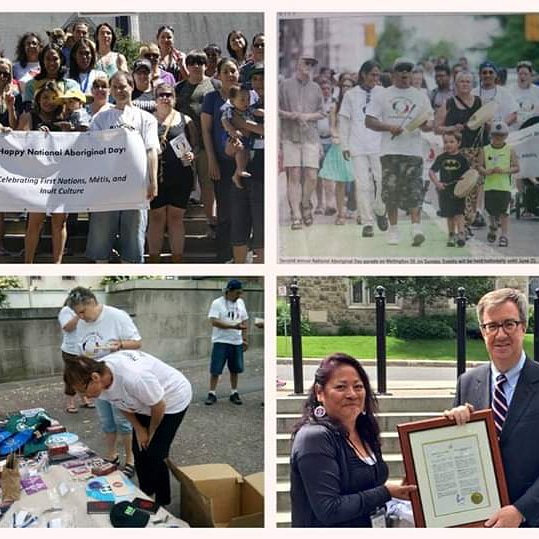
512 376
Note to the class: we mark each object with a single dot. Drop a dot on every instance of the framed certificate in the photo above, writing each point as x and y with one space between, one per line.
457 469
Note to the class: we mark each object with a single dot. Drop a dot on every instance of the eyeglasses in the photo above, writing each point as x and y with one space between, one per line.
165 94
509 326
152 56
100 87
259 45
488 72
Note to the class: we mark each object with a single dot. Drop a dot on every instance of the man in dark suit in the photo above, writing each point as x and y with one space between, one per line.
503 317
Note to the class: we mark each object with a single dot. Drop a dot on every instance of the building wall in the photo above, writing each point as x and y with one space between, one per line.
192 30
170 315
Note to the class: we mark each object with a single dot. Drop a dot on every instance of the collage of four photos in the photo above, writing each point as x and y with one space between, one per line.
374 367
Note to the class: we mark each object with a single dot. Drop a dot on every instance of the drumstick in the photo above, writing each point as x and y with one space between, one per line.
404 119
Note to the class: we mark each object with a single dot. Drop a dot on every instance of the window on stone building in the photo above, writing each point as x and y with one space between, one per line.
361 294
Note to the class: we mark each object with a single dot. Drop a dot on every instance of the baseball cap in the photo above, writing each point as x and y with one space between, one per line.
126 515
142 63
257 69
403 64
499 128
487 63
309 60
74 93
234 284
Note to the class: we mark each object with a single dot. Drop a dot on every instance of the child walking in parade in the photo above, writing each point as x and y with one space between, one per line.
498 161
444 173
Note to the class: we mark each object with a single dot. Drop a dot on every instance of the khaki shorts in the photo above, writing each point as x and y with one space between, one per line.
296 154
203 173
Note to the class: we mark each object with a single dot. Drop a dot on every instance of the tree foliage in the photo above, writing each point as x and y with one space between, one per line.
427 290
127 46
510 46
8 283
392 42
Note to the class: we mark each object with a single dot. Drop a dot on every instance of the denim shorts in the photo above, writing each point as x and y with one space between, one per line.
231 354
106 225
111 419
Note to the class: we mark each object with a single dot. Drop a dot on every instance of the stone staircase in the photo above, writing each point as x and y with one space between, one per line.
199 248
401 407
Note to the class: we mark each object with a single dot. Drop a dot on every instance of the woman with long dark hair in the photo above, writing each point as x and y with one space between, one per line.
108 60
82 61
26 66
236 44
338 476
171 59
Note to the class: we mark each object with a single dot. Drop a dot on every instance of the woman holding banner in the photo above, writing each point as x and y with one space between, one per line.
45 116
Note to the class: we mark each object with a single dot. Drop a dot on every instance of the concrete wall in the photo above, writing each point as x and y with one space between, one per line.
171 317
191 30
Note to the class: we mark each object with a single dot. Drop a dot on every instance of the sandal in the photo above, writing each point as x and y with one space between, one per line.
503 241
340 221
72 410
129 470
115 461
87 405
491 236
307 216
296 224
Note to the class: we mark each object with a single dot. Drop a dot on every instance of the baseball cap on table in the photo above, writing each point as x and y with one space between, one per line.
403 64
126 515
499 128
234 284
142 64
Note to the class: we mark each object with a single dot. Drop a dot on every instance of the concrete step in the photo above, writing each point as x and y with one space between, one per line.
411 403
388 421
283 519
390 443
393 461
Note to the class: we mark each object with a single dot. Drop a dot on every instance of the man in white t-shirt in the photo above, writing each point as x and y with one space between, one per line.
228 317
129 224
389 112
525 93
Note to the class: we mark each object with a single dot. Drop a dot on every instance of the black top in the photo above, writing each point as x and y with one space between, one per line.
450 167
455 115
330 485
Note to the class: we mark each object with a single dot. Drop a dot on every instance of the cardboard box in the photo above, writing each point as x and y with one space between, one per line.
217 496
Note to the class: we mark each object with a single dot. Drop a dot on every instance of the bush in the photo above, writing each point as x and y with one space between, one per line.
283 321
427 327
345 329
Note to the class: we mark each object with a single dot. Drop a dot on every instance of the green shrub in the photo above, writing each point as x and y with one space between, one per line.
283 321
345 329
427 327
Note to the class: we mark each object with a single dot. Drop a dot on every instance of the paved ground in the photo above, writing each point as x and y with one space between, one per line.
326 242
222 433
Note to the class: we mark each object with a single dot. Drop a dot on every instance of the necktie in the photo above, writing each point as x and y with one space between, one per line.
499 403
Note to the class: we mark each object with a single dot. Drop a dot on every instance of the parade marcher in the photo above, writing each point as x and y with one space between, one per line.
498 161
362 146
300 107
525 93
401 152
131 224
440 94
228 317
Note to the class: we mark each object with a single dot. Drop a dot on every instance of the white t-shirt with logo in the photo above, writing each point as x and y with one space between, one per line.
528 103
111 325
399 106
140 381
230 312
70 343
501 95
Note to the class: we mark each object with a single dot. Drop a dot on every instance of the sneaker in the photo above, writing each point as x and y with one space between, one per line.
451 240
461 239
367 231
393 236
210 399
479 220
418 238
235 399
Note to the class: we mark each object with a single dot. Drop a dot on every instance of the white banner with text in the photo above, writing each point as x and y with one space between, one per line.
72 172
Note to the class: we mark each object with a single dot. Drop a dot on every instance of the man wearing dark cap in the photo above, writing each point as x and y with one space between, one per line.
228 317
300 106
401 156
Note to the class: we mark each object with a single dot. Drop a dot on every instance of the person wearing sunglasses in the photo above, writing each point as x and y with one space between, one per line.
526 94
151 52
190 94
257 57
213 53
401 152
508 385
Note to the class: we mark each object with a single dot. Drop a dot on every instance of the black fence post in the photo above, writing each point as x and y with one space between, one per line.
536 326
380 300
460 300
295 334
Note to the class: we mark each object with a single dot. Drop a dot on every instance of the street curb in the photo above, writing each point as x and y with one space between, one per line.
390 362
